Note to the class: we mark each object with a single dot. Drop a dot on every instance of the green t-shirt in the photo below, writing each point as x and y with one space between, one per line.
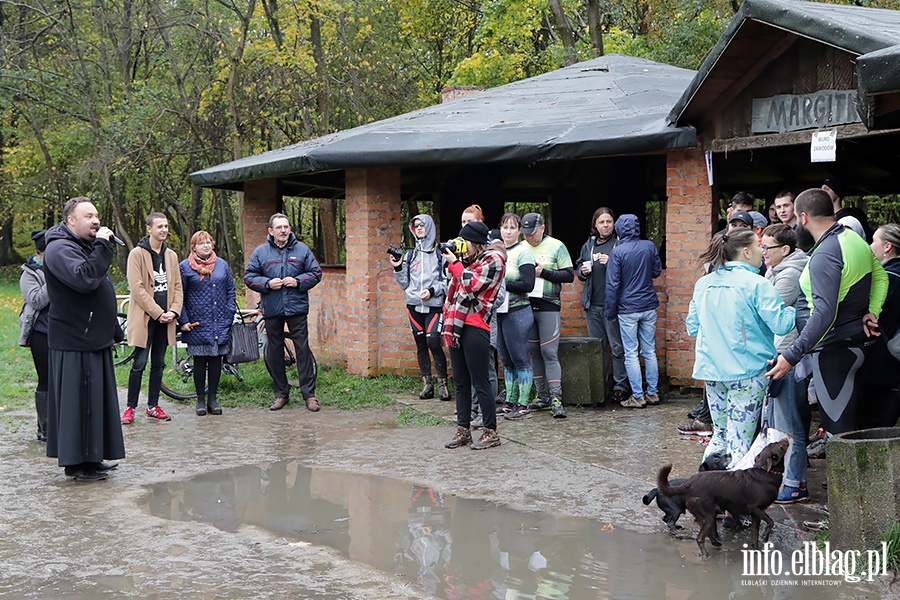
517 256
550 254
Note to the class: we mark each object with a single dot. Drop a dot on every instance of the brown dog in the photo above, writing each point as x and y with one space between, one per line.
746 492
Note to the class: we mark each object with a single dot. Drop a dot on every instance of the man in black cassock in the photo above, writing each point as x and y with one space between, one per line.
83 425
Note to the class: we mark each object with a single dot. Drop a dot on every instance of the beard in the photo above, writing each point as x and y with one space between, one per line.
805 239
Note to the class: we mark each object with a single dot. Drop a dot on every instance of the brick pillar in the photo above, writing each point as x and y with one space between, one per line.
688 229
373 220
261 199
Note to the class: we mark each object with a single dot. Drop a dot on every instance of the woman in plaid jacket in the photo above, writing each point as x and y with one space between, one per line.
475 280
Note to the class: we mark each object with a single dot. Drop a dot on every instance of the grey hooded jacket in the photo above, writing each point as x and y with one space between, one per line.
422 269
786 278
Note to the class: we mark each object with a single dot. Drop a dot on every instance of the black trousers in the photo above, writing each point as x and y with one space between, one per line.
306 362
427 329
471 363
155 350
40 355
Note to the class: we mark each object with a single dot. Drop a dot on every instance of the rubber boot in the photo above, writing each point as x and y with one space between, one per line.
443 392
428 391
213 407
201 406
40 406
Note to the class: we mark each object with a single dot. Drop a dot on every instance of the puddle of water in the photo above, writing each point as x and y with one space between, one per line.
460 548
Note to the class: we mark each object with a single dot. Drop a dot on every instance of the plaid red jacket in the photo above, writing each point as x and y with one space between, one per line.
472 291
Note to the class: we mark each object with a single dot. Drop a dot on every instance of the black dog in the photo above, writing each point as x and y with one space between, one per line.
744 492
674 506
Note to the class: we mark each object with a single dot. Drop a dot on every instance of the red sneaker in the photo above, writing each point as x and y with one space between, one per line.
156 412
128 416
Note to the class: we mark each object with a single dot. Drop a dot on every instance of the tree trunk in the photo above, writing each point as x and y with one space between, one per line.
595 26
565 31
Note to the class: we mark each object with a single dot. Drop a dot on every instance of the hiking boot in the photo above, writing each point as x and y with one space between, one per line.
518 413
489 439
427 392
696 411
790 494
633 402
540 404
128 416
696 427
619 395
652 399
200 408
443 392
816 449
156 412
558 411
476 423
463 436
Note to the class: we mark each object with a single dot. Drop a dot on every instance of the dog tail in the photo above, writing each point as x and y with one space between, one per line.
649 496
662 483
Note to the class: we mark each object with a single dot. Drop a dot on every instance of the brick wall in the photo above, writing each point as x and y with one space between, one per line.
373 220
688 227
328 336
260 200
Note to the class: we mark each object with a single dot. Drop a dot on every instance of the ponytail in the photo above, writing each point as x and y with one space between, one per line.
728 246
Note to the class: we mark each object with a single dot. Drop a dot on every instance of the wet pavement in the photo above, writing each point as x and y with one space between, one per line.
348 505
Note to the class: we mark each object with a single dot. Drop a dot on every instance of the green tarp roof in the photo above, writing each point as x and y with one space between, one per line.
606 106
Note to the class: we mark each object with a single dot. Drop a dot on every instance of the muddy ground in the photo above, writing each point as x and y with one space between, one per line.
66 539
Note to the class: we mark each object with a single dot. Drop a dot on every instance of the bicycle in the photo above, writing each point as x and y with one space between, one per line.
178 378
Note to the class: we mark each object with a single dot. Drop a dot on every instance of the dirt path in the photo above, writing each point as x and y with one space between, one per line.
65 538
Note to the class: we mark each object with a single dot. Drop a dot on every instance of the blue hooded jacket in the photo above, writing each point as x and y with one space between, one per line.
632 267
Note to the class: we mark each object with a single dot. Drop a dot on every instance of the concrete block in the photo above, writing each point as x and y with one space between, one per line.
863 486
583 380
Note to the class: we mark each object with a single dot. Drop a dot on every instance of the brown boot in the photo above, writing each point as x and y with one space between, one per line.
463 436
279 403
489 439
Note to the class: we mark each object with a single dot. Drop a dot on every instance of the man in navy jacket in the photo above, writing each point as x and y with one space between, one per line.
630 296
282 271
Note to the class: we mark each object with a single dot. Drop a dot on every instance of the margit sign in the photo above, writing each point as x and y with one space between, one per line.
824 108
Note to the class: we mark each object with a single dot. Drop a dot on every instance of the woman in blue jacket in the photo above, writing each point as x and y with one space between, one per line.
206 317
735 314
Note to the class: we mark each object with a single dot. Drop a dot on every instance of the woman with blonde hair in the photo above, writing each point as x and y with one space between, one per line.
206 317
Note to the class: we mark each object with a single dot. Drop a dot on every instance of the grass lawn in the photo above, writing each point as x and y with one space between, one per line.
334 387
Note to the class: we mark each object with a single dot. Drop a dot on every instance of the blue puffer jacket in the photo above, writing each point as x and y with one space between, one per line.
209 301
294 260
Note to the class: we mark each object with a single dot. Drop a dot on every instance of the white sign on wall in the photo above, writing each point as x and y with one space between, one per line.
823 147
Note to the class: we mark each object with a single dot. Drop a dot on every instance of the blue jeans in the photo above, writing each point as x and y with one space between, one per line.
788 409
608 331
640 328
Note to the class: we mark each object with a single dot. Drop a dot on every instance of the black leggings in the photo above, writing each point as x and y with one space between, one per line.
426 329
471 363
202 366
40 354
834 377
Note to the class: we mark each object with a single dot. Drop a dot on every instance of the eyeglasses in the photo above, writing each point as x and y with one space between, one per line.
765 249
418 224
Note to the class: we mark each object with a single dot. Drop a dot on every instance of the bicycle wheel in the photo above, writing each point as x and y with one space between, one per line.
178 376
122 352
289 355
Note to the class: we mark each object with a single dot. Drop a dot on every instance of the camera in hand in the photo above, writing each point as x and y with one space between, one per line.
396 253
456 246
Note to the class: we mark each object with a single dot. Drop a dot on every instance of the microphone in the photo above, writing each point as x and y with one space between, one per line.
114 238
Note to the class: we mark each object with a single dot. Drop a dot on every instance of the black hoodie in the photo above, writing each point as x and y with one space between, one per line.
82 296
